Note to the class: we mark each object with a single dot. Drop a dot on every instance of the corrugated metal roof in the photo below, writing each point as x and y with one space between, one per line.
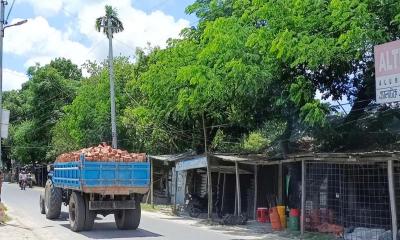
175 157
351 156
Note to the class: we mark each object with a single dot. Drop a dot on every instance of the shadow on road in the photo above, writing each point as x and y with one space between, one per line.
110 231
63 217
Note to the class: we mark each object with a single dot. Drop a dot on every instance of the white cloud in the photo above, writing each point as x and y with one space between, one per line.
45 7
39 42
13 80
140 28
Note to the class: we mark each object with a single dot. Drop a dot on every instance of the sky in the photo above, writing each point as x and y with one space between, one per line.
65 28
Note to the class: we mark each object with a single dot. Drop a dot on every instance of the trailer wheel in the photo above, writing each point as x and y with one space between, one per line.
77 212
89 216
128 219
52 200
41 204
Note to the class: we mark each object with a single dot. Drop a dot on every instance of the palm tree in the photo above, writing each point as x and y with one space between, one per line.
110 24
111 18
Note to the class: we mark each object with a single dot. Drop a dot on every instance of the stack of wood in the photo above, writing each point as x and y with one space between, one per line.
102 153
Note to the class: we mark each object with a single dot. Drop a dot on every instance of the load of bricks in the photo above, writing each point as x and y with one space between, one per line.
102 153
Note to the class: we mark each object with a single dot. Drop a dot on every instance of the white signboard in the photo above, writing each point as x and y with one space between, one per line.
5 120
387 72
200 162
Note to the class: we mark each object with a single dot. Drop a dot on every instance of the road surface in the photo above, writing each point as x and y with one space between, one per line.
25 205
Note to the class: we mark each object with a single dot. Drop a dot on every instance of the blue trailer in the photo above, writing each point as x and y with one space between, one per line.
90 188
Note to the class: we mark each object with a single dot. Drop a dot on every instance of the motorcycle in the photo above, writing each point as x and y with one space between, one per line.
22 184
195 205
29 180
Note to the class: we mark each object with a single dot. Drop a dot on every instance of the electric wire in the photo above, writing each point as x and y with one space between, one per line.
9 11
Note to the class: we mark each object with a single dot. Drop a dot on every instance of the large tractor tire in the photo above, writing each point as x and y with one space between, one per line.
53 200
128 219
89 216
77 212
41 203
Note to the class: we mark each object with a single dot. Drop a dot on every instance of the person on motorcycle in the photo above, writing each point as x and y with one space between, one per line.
22 177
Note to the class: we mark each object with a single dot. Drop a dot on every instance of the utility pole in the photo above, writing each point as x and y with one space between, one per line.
2 23
112 88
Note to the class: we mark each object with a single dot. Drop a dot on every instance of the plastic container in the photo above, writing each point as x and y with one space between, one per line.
294 212
294 223
262 215
294 220
275 219
282 215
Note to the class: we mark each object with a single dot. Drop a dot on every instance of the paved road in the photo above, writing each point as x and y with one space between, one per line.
25 205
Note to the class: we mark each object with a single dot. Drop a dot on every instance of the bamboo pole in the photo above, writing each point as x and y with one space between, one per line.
239 202
303 196
209 179
255 190
209 190
280 184
223 193
218 190
152 182
176 191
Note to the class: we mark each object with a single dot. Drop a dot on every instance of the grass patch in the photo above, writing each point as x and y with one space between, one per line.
3 207
6 218
157 208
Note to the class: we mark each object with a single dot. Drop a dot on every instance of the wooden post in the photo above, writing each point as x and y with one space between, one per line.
152 182
209 189
219 181
239 201
167 185
303 196
218 191
223 194
148 198
280 184
392 199
209 180
255 190
176 191
235 208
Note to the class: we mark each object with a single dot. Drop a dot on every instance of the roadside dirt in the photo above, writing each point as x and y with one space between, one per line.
252 230
12 228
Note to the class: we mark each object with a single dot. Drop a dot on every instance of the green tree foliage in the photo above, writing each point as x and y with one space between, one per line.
328 43
86 121
24 145
37 107
250 69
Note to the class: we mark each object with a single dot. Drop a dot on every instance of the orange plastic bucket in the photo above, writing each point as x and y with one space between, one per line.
275 219
282 215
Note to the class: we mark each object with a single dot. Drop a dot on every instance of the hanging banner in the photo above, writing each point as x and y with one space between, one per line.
387 72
